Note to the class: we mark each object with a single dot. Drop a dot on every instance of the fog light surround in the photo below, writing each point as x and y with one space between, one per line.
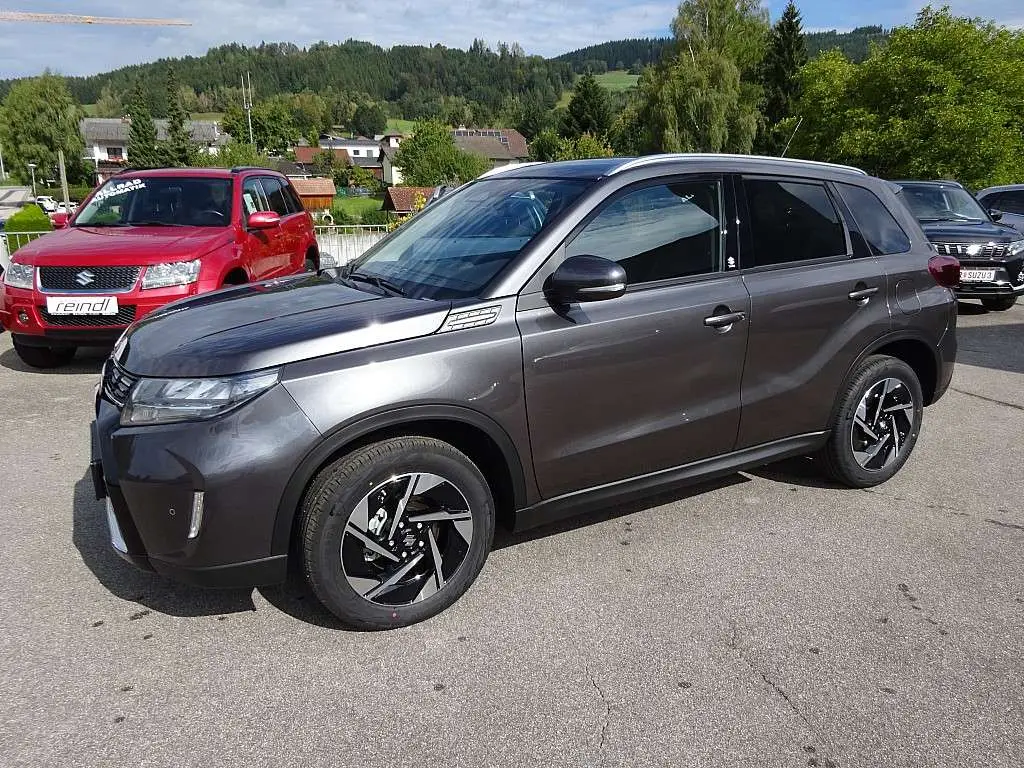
23 317
197 515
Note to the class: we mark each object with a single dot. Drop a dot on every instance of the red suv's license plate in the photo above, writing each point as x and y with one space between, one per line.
81 305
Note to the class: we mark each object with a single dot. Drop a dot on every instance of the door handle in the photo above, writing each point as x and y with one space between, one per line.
863 294
723 321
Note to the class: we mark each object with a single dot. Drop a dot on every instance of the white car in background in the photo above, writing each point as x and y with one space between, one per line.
47 203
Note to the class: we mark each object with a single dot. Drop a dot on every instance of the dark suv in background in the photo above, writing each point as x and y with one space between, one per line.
991 253
546 339
1005 204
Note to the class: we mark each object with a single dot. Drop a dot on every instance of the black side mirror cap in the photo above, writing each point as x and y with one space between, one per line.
585 278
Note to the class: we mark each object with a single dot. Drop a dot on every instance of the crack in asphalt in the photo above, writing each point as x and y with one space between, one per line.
988 399
1001 524
778 690
607 709
942 508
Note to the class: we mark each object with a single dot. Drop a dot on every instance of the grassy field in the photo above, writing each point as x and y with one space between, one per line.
400 126
616 80
90 111
357 206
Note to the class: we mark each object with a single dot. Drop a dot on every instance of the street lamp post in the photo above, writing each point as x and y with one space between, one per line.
32 168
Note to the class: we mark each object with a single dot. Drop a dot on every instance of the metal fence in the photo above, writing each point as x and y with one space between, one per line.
339 243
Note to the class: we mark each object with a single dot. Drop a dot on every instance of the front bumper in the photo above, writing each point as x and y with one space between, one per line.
1008 279
240 463
23 313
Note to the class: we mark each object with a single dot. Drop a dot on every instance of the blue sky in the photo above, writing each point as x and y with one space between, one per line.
544 27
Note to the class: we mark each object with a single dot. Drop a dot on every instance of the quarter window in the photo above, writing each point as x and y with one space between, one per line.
658 233
881 231
792 221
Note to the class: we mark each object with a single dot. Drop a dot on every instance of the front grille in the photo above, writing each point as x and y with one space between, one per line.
117 383
124 316
92 279
985 250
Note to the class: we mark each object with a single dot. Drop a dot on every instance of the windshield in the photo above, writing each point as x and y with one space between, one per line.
162 201
455 247
942 202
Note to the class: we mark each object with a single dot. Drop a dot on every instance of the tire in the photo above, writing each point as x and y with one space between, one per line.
311 263
998 303
899 386
43 357
352 554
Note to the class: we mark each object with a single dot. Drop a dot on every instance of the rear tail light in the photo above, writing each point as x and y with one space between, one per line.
945 270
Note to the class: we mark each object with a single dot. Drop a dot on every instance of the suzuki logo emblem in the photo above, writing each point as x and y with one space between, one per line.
84 277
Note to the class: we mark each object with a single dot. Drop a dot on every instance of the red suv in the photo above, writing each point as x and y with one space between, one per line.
146 238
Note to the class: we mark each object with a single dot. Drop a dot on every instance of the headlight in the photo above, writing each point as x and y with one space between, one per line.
20 275
162 401
1017 246
174 273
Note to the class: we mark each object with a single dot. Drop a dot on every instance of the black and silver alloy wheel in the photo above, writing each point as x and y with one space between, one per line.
406 539
875 423
884 420
396 531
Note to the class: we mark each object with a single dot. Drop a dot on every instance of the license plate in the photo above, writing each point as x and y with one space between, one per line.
977 275
85 305
116 539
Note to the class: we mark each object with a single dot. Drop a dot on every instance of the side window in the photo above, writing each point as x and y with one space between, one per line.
659 232
1011 202
275 194
253 197
294 203
792 221
881 231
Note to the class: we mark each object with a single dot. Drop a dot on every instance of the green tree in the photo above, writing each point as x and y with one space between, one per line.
430 157
737 29
780 80
309 113
109 104
143 151
39 117
273 128
369 119
588 110
179 149
550 146
231 154
545 146
943 98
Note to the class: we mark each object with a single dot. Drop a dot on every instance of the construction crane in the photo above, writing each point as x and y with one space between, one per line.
68 18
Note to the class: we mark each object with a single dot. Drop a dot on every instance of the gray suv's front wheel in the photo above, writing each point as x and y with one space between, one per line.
396 531
876 424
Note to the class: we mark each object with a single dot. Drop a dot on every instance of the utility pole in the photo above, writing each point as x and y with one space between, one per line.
3 174
247 104
63 180
32 168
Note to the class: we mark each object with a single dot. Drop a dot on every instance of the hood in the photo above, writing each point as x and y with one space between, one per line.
123 246
969 232
262 325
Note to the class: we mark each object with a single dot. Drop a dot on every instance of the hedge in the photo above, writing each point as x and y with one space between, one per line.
30 218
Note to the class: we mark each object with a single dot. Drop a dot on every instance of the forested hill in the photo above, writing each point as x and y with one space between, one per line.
413 77
635 53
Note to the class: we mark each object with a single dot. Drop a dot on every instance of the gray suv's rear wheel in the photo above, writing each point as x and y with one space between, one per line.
396 532
876 424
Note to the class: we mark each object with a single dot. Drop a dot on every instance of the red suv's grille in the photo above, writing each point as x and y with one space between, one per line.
124 316
88 278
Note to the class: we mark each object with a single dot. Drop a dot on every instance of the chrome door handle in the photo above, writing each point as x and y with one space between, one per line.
862 294
724 321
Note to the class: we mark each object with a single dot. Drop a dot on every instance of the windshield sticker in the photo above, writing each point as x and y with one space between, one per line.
122 188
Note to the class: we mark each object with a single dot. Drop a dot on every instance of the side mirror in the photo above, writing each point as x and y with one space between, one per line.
996 215
264 220
585 278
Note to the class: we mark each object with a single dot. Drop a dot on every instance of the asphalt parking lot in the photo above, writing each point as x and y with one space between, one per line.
768 619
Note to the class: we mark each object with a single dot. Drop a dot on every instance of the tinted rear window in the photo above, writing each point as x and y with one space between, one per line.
792 221
878 227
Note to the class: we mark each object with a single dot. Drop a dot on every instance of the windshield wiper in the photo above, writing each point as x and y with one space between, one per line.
153 223
101 224
380 282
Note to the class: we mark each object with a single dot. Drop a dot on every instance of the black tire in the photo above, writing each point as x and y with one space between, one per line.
43 357
838 456
998 303
311 264
331 501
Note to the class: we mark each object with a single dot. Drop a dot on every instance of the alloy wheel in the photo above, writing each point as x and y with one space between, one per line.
406 538
882 423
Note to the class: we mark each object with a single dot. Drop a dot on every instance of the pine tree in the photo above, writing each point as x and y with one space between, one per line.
779 76
178 150
588 110
142 147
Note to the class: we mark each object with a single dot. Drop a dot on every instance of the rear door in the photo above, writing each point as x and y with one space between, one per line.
814 305
287 257
640 383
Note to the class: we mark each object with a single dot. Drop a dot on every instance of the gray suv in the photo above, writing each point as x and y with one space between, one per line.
544 340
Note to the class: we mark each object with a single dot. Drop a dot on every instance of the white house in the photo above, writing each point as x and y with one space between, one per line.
106 140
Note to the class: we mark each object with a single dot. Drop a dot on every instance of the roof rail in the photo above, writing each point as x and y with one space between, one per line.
240 168
669 157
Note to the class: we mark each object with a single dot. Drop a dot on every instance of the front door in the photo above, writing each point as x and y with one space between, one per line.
814 307
259 243
644 382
